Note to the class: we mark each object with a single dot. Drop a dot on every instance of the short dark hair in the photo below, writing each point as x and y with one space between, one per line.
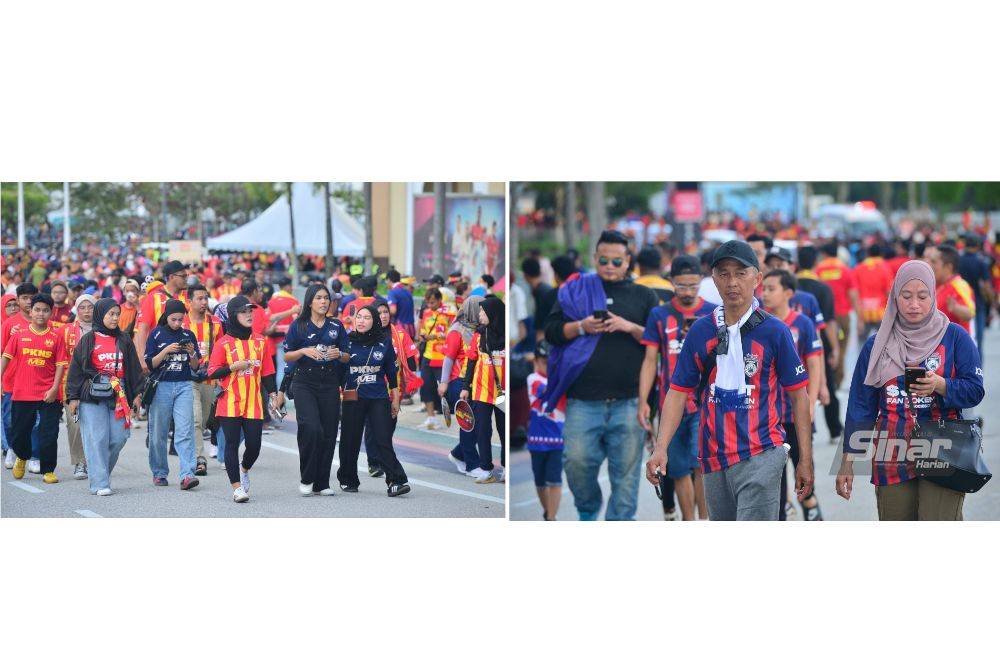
875 250
26 288
807 258
829 249
488 280
612 237
563 267
649 258
433 293
786 277
461 286
757 237
43 298
58 282
195 287
248 286
393 276
949 256
531 268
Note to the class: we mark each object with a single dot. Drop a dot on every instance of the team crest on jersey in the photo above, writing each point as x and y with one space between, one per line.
50 343
750 364
933 362
377 355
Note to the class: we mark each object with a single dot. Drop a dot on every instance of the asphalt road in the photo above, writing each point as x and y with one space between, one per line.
438 490
984 505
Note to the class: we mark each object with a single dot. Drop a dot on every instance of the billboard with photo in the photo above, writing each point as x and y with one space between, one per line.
473 236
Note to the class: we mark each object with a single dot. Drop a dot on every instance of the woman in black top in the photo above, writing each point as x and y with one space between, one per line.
371 376
317 346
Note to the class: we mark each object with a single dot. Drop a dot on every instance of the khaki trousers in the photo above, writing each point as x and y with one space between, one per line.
75 439
918 500
203 394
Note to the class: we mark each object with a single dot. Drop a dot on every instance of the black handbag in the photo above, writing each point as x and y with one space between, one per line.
149 390
98 388
957 463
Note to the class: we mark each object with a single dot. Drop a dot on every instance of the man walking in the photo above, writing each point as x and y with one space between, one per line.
207 330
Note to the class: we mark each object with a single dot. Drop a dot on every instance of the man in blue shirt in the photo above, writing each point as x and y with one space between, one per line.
400 300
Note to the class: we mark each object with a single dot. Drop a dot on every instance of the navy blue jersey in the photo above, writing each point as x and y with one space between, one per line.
807 344
770 361
885 409
371 369
401 297
806 302
175 367
332 334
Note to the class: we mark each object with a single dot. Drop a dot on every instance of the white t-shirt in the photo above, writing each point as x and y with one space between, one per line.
709 292
518 311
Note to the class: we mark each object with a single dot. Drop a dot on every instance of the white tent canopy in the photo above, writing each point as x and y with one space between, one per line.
270 231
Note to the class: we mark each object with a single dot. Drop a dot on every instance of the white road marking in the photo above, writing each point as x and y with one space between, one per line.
418 482
27 487
90 514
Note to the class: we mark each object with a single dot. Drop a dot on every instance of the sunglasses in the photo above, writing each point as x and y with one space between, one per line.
617 262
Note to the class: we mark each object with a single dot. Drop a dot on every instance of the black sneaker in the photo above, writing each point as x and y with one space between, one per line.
398 489
375 471
201 469
348 488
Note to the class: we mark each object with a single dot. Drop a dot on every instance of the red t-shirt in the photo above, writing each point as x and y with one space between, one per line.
959 289
874 282
454 348
282 302
61 315
106 358
835 274
36 356
17 321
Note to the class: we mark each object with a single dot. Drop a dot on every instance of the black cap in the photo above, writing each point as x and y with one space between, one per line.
778 252
737 250
435 279
685 265
172 268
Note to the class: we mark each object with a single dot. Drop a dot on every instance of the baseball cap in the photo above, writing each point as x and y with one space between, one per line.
435 279
407 280
685 265
173 267
778 252
738 250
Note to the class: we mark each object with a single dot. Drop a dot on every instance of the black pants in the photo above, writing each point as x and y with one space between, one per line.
667 489
792 438
317 413
22 421
483 412
251 428
354 415
370 450
832 411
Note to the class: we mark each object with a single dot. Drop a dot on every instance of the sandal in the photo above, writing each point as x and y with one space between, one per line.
201 469
811 513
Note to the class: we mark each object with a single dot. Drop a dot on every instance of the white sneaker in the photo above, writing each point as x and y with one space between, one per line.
34 466
306 489
8 460
326 492
478 473
426 423
239 495
489 478
459 465
245 481
499 473
213 451
435 424
79 471
104 492
671 515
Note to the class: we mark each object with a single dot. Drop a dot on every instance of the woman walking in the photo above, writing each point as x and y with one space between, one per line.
371 380
71 335
485 378
172 356
458 350
913 334
317 347
240 361
104 375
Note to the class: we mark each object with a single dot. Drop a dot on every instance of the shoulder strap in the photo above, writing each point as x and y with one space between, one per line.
755 320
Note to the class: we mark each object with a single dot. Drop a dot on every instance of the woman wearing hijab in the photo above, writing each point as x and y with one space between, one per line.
458 351
104 357
172 355
240 360
913 333
316 346
371 380
485 380
84 310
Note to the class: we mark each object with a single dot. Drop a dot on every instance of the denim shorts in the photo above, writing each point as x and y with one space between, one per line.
547 466
682 452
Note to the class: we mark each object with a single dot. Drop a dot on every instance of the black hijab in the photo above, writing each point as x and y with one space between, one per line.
233 325
493 337
305 315
373 336
172 307
101 309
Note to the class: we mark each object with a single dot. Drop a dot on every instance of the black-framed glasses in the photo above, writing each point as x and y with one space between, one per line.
617 262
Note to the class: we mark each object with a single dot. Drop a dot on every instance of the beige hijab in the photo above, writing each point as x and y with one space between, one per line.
898 342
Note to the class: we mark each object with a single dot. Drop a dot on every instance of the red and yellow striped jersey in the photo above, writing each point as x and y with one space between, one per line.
489 373
209 331
241 391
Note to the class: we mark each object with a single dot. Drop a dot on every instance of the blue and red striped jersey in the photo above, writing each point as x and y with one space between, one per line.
666 329
770 361
807 343
956 359
806 302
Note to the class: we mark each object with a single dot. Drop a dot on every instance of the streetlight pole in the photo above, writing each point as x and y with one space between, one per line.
437 243
20 215
369 242
66 232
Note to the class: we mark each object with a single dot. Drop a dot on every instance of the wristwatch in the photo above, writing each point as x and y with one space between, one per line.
579 327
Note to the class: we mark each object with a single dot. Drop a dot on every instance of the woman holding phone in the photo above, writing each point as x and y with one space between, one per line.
317 345
239 359
371 389
918 363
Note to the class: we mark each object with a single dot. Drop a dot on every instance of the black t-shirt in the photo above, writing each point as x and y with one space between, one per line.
974 269
824 296
545 299
613 370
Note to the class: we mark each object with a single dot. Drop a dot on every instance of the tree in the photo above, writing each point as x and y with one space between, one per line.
294 268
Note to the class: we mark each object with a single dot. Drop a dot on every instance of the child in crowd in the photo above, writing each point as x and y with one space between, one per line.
545 437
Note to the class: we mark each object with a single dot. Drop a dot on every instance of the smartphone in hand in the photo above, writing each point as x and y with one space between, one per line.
911 376
601 314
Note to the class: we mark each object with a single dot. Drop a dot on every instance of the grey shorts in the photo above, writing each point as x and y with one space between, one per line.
749 490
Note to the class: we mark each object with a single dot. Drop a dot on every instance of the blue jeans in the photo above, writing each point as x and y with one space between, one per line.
596 430
279 364
682 452
172 399
465 450
103 439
